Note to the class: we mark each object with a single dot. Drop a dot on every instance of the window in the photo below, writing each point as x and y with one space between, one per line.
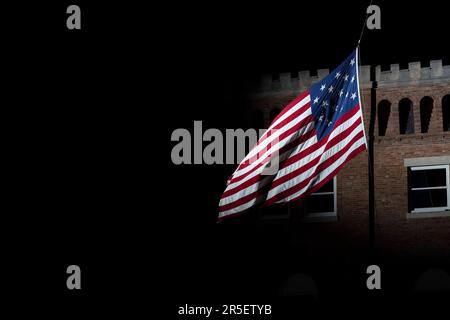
384 110
322 203
406 116
426 108
429 188
446 112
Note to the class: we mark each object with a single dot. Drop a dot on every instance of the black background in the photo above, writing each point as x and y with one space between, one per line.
89 124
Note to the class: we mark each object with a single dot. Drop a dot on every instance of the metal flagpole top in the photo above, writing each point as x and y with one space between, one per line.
364 25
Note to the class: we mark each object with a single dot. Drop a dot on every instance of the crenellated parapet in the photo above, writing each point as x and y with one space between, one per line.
302 80
436 73
415 74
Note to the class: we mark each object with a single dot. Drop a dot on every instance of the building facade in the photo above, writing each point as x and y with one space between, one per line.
411 151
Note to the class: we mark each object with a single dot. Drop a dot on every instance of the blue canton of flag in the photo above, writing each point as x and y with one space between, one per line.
334 95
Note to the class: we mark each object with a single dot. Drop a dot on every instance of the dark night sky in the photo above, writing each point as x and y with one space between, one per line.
285 37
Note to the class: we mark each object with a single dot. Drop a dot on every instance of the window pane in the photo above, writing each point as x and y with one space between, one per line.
429 198
428 178
320 203
328 187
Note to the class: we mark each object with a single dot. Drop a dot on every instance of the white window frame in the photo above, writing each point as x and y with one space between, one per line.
447 187
326 214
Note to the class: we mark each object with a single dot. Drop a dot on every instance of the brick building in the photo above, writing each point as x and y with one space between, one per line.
411 168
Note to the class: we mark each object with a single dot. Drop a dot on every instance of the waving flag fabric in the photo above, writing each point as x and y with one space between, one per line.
307 144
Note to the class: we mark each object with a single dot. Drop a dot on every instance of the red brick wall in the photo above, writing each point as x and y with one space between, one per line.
396 234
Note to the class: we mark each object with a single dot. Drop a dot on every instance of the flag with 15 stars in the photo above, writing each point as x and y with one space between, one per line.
312 138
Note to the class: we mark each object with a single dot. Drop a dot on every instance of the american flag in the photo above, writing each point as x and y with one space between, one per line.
305 146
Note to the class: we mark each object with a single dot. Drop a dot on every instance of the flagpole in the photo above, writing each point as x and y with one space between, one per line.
371 169
369 146
364 25
371 181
